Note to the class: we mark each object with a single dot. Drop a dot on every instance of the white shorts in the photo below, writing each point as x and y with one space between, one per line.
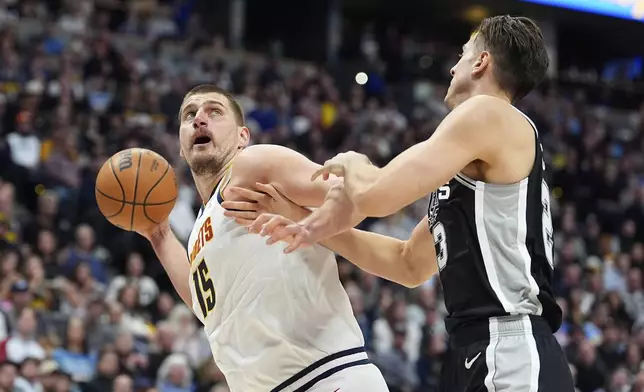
344 371
363 378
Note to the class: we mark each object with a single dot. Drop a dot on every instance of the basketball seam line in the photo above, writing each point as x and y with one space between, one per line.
136 185
145 212
133 203
118 181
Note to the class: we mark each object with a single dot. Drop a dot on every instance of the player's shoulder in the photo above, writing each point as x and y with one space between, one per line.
260 159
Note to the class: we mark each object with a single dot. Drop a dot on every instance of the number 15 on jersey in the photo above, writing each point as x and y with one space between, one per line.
204 288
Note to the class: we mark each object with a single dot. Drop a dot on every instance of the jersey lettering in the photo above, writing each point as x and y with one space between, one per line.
546 223
204 235
444 192
204 288
440 242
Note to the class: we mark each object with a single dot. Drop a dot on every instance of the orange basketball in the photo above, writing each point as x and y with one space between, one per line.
136 189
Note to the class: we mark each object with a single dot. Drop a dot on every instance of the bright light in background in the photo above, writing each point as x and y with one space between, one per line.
361 78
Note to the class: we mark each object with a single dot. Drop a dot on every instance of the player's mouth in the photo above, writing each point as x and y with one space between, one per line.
201 140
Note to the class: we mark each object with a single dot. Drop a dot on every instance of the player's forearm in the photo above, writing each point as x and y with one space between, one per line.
395 186
379 255
174 259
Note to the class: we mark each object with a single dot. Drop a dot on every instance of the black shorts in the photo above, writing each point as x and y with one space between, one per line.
510 354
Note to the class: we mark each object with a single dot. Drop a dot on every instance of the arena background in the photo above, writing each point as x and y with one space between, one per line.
85 306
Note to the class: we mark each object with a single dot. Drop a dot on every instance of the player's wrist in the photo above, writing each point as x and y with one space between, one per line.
159 233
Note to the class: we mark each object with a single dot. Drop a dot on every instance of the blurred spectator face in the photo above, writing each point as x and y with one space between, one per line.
24 122
634 279
135 265
129 297
35 268
624 263
8 373
27 322
46 242
611 335
83 274
7 192
124 344
76 332
572 275
587 353
85 237
637 253
9 263
63 383
210 115
165 303
29 369
48 204
619 380
108 365
166 338
176 374
123 383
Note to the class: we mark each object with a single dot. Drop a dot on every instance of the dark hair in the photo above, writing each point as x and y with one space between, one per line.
519 52
209 88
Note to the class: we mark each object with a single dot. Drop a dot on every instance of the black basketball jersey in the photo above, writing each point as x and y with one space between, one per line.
494 247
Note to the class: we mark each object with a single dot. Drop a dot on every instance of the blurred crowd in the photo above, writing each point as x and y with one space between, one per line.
87 307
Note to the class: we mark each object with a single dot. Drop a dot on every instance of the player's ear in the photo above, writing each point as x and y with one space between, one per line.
244 137
481 63
181 153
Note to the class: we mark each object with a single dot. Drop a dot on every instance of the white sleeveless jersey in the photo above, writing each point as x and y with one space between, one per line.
275 322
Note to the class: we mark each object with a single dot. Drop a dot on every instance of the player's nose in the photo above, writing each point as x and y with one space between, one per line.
452 70
201 119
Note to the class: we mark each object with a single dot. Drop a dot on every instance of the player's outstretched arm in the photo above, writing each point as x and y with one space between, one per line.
470 132
408 263
173 257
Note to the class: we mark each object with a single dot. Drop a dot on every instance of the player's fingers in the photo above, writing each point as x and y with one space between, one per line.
239 205
249 215
275 222
319 172
256 226
295 244
269 190
247 193
244 222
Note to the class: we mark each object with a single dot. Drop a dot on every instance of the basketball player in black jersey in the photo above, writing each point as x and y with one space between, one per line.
488 217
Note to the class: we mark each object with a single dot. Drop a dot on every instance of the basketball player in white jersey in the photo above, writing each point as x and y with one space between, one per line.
275 322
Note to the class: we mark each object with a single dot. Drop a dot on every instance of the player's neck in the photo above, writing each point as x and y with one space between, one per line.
206 183
491 90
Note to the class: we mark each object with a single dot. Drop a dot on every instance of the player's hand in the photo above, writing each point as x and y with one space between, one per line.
340 164
266 199
356 169
279 228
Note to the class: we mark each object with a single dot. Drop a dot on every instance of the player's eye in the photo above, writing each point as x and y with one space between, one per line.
189 116
216 112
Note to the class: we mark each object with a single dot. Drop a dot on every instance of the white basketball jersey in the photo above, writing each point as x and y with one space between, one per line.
268 315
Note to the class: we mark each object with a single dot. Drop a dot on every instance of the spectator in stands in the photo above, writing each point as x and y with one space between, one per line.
23 343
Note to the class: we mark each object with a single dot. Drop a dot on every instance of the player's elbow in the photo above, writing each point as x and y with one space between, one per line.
417 268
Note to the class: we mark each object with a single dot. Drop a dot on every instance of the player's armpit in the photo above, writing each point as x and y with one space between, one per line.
409 263
467 134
